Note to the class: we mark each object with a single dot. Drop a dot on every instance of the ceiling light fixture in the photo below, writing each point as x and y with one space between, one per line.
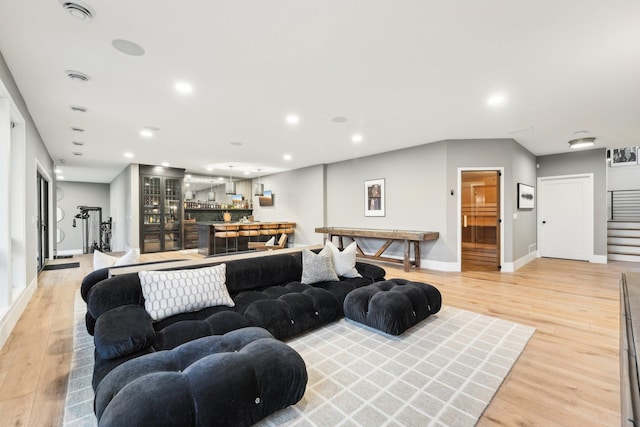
77 76
292 119
582 142
165 164
287 157
357 138
230 187
259 188
495 100
78 10
128 155
211 196
58 171
183 87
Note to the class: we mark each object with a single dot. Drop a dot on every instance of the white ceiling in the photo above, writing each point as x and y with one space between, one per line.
403 73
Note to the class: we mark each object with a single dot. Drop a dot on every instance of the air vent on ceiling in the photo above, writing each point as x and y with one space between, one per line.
79 143
77 76
77 130
77 10
78 108
77 153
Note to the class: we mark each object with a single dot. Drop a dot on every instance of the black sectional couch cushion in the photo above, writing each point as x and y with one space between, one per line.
392 306
231 380
122 331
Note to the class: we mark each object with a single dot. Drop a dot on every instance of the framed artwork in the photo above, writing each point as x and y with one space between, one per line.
266 199
624 156
526 196
374 197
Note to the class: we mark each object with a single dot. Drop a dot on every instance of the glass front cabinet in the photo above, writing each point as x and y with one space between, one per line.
161 208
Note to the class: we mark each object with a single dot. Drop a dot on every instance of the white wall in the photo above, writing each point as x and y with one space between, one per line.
623 177
120 204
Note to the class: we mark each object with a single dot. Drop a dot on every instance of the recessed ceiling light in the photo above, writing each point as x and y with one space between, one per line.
146 133
78 108
77 76
165 164
127 47
220 179
183 87
77 9
246 172
128 155
287 157
187 185
357 138
209 169
339 119
188 176
60 177
58 171
78 143
292 119
496 100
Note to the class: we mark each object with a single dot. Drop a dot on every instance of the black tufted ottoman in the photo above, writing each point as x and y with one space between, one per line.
392 306
234 379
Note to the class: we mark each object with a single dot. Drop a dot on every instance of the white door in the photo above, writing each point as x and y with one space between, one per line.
565 217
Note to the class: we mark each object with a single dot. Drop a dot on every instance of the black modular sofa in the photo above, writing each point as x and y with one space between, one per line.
266 290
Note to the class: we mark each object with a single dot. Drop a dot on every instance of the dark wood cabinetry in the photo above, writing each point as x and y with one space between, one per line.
161 208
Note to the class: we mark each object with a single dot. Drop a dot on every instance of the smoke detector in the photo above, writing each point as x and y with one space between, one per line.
77 9
77 76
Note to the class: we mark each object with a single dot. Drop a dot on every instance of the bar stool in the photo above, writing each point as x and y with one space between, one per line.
228 233
285 228
268 230
250 232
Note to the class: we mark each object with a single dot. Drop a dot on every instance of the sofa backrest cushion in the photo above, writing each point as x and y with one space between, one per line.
253 273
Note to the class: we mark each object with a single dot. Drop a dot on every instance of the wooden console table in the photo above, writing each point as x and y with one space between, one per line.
410 238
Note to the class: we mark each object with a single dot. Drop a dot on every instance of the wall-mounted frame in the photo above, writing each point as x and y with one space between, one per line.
526 196
626 156
266 199
374 197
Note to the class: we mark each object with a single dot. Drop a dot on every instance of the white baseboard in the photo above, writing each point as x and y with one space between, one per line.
510 267
439 265
10 317
598 259
70 252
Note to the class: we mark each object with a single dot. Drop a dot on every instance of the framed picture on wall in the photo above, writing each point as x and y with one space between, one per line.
526 196
374 197
624 156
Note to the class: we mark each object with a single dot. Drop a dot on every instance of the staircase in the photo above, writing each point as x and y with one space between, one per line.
623 240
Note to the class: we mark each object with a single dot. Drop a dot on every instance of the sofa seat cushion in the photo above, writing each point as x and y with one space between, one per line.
122 331
289 310
194 384
392 306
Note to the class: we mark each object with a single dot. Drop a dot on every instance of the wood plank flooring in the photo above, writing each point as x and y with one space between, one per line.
568 375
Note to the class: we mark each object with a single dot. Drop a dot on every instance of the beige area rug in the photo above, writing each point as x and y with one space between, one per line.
442 372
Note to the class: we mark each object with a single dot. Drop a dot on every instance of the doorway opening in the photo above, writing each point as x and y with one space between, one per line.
480 220
43 220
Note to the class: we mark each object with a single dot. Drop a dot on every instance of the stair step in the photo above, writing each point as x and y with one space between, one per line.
624 244
624 257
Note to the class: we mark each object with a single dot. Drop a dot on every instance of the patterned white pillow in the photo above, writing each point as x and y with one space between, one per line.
344 262
317 267
182 291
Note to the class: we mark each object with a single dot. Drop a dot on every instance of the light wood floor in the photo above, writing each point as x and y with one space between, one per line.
568 374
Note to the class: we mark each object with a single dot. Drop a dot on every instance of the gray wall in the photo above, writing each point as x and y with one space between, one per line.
590 161
79 194
35 151
298 196
120 208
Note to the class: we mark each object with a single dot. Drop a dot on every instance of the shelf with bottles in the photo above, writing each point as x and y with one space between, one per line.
207 205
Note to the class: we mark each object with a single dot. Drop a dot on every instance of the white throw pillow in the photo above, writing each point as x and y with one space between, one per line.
317 267
344 262
271 241
102 260
182 291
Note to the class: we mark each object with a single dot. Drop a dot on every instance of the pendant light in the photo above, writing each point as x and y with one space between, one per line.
188 195
211 196
230 187
259 188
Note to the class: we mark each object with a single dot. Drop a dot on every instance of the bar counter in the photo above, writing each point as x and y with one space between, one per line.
220 237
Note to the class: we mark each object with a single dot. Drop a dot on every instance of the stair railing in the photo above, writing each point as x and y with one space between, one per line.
624 205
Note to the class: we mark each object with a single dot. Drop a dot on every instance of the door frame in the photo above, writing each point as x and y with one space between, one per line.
590 219
50 209
499 169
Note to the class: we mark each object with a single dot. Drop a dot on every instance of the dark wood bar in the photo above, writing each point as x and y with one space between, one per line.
220 237
410 238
